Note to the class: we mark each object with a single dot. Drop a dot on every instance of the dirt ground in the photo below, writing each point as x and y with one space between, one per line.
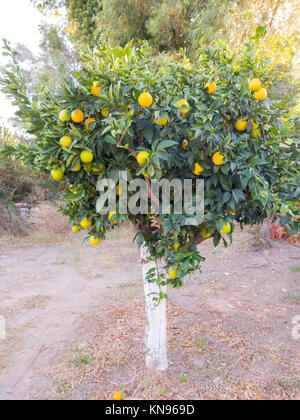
75 320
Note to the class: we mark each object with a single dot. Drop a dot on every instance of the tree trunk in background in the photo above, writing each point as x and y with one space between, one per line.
156 331
274 13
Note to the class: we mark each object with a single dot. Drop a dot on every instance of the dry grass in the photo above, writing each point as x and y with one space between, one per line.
206 360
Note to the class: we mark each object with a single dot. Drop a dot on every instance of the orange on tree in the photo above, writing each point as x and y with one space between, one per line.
96 90
197 169
77 168
88 122
57 174
226 228
86 223
145 99
65 141
260 94
64 116
77 116
162 121
86 156
105 111
142 158
218 159
176 246
172 273
254 84
211 87
184 144
205 233
183 106
111 214
255 132
75 229
94 240
241 125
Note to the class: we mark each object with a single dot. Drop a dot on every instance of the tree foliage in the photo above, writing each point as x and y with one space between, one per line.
260 174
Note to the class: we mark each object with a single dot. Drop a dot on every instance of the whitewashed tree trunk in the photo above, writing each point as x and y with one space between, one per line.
156 331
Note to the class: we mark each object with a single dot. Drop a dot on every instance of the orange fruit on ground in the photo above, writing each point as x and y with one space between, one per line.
183 106
241 125
94 241
117 396
145 99
197 169
111 214
86 156
77 116
85 223
218 159
65 141
211 87
260 94
162 121
254 85
184 144
88 122
57 174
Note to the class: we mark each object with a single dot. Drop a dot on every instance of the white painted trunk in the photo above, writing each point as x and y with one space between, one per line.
156 331
2 328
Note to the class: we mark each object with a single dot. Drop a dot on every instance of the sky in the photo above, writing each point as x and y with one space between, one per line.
19 23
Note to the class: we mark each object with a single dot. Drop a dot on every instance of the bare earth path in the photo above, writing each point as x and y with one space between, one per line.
44 293
230 330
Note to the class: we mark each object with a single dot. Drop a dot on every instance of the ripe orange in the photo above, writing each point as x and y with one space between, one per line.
145 99
57 174
111 214
218 159
119 190
77 116
184 144
260 94
241 125
226 228
65 141
162 121
254 85
172 273
86 156
117 396
211 87
64 116
96 89
85 223
88 122
77 168
197 169
94 241
205 233
183 105
142 158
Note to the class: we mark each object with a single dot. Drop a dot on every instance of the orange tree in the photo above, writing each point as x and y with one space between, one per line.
212 120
